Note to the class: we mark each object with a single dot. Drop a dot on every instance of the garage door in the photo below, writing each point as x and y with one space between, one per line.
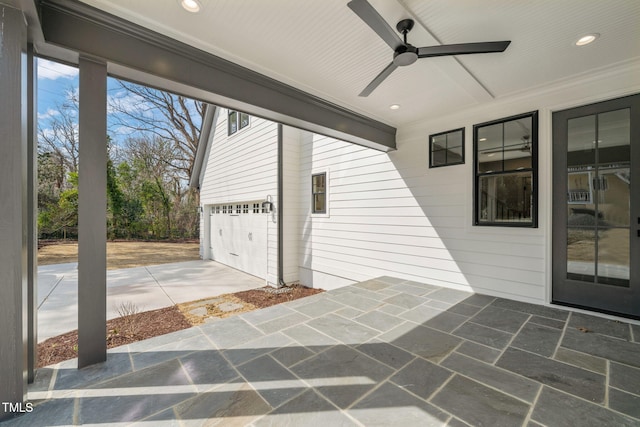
238 236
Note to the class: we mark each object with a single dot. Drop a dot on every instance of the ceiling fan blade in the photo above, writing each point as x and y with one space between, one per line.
372 18
462 49
504 150
379 79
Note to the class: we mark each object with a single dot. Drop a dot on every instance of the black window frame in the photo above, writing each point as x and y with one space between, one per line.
446 149
313 194
533 169
237 120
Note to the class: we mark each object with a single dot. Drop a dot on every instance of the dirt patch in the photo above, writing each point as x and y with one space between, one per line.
122 254
139 326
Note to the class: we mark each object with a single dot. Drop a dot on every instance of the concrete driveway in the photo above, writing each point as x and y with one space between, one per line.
149 288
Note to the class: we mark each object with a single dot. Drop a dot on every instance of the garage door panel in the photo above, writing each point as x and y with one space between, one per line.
238 238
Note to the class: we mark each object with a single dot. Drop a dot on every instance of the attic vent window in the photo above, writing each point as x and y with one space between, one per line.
237 121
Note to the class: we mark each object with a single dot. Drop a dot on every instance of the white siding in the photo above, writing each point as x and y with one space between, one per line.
392 215
242 168
291 202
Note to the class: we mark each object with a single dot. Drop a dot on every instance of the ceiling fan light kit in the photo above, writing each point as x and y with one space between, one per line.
404 53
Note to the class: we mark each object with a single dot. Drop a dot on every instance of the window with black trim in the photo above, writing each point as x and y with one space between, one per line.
506 171
446 148
236 121
319 193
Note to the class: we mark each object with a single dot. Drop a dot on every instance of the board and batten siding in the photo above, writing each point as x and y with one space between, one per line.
390 214
242 167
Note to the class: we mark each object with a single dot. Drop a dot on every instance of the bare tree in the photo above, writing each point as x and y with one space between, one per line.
144 110
58 134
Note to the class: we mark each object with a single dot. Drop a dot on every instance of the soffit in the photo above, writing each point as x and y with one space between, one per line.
323 48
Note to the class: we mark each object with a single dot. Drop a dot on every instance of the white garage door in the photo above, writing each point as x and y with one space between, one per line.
238 236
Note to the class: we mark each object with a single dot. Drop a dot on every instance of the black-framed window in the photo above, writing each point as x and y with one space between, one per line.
319 193
446 148
236 121
506 171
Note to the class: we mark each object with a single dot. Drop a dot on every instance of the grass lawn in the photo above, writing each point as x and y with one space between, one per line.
123 254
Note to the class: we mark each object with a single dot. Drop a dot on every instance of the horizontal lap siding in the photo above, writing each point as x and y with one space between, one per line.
243 167
389 214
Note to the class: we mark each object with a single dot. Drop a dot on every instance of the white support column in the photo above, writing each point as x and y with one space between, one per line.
13 200
92 213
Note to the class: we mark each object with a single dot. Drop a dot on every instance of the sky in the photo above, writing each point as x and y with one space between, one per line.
56 79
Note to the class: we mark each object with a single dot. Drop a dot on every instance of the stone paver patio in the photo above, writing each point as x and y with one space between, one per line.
381 352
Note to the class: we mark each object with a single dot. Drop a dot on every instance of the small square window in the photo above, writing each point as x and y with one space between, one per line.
319 193
238 209
446 148
256 208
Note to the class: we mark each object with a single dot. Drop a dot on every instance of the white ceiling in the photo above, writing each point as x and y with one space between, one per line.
322 47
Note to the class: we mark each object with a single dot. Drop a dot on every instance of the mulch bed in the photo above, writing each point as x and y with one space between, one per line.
140 326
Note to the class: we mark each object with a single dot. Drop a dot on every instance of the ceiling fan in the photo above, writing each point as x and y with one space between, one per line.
404 52
525 147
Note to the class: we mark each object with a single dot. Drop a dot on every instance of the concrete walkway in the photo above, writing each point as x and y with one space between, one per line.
148 288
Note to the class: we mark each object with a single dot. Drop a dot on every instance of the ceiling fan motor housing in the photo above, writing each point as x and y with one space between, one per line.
405 55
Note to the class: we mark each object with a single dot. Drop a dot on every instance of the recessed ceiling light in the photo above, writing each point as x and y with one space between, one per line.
394 106
586 39
192 6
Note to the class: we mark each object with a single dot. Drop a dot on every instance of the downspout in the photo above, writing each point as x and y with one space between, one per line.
280 208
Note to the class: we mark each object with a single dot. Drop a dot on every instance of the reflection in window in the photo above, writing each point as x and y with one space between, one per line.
598 197
319 193
506 171
236 121
446 148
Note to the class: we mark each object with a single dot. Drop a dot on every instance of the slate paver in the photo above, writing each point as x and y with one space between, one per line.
478 351
555 408
478 404
381 408
386 353
537 339
342 374
601 326
577 381
343 330
626 403
421 377
603 346
374 353
424 342
307 409
581 360
501 319
512 384
537 310
483 335
624 377
275 383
